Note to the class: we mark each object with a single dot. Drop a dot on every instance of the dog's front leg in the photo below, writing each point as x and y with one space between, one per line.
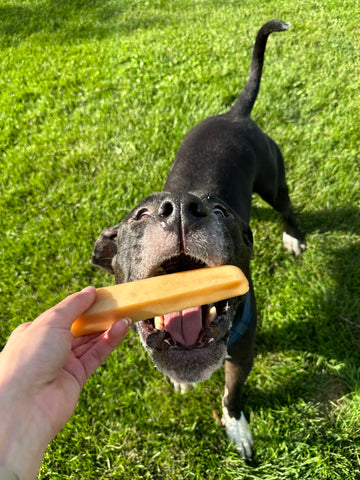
233 419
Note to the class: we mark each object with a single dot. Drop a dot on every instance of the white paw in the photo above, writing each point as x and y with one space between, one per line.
182 387
293 245
238 432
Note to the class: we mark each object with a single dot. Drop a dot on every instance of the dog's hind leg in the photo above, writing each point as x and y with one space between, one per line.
273 188
292 237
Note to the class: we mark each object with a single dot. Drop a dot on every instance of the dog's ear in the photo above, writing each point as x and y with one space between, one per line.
105 249
248 237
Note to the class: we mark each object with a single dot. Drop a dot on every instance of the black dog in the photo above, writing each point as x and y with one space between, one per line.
201 219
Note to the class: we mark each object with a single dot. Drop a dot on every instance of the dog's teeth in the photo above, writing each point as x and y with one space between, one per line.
212 314
159 322
212 310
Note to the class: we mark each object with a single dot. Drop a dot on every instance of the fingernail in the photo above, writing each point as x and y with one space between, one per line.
86 289
127 321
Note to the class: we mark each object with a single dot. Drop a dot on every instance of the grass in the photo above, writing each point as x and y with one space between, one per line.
94 100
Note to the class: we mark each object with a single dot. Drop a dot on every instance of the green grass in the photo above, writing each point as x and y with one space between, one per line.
95 98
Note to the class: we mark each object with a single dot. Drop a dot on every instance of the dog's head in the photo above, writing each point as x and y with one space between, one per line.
173 232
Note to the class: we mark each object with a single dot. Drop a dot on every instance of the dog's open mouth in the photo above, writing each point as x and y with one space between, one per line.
188 329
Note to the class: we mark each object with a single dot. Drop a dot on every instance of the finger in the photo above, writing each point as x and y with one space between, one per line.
116 333
80 345
99 352
68 310
113 336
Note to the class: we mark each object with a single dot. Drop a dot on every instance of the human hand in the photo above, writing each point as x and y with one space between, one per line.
42 372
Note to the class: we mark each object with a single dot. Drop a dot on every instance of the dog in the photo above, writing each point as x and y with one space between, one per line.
201 219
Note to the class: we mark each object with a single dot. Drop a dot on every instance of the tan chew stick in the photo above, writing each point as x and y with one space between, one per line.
150 297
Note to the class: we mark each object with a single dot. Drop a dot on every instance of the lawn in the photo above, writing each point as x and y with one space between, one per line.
95 98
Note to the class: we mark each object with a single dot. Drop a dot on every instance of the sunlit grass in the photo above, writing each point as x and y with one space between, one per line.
95 98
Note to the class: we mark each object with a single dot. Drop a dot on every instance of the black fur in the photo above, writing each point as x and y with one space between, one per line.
202 219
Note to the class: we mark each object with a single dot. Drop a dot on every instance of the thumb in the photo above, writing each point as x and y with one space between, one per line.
68 310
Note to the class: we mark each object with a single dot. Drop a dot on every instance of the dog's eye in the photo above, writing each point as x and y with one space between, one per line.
220 211
142 214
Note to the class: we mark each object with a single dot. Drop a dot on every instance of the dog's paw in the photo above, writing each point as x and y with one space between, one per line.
238 432
182 387
293 245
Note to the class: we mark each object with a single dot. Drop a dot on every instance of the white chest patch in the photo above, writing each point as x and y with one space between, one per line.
182 387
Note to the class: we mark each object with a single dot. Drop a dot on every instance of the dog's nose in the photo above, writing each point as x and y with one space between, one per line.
183 211
167 209
192 209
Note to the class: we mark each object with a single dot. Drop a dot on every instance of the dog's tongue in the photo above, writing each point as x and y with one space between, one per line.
184 326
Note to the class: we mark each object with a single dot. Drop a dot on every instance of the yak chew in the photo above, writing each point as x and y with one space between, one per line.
150 297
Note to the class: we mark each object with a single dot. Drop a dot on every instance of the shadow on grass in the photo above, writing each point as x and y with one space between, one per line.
343 219
333 331
68 20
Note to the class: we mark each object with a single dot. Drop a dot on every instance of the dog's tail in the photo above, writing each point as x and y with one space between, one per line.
247 98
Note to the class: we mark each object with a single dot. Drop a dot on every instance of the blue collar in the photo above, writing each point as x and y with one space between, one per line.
241 324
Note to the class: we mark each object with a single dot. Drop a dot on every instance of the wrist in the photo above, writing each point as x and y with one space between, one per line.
22 445
8 474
